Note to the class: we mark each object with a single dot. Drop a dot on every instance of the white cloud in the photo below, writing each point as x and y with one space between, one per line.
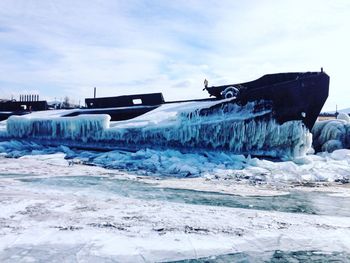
67 47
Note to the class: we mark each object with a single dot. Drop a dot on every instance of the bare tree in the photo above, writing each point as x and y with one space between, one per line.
66 102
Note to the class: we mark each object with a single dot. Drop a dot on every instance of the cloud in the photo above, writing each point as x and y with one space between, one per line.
66 47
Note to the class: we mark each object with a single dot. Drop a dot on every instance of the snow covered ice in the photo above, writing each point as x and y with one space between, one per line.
166 204
52 210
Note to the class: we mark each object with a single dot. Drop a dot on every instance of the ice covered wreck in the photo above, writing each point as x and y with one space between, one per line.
270 116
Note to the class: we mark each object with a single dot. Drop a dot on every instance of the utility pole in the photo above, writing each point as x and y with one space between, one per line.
336 111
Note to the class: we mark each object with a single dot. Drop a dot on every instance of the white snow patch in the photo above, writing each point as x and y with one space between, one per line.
90 224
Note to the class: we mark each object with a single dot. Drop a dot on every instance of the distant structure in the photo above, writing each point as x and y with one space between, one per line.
29 97
26 103
336 111
334 114
205 84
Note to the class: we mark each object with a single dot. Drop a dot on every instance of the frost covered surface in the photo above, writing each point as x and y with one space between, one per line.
331 135
151 205
322 167
313 168
250 129
49 213
81 128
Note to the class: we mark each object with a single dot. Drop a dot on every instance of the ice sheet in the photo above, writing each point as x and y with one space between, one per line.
43 223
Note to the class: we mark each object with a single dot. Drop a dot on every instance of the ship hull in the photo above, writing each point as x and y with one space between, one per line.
293 96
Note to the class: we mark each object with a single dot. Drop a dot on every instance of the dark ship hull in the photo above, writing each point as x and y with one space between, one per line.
291 96
294 96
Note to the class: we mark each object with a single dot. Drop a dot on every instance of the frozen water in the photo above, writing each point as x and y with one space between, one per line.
274 256
249 129
331 135
323 167
157 205
51 210
81 128
293 201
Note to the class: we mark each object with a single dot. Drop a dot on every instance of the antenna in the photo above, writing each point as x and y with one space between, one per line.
94 92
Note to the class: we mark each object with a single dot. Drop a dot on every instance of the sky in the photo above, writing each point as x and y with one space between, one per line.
66 48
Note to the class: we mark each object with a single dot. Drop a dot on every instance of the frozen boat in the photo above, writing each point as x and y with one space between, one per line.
290 96
22 107
268 116
293 96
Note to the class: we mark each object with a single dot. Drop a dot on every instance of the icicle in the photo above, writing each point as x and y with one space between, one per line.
249 129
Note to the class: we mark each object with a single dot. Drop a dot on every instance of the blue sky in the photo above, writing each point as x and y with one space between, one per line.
65 48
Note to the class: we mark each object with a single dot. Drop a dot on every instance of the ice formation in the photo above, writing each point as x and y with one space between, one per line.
250 129
81 128
331 135
49 214
212 165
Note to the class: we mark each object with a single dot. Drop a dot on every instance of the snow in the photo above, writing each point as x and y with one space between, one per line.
184 197
189 126
48 217
343 116
141 206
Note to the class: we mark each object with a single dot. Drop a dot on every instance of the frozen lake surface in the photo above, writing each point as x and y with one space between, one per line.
62 205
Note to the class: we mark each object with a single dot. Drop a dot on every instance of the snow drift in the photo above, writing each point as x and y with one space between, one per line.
249 129
213 165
